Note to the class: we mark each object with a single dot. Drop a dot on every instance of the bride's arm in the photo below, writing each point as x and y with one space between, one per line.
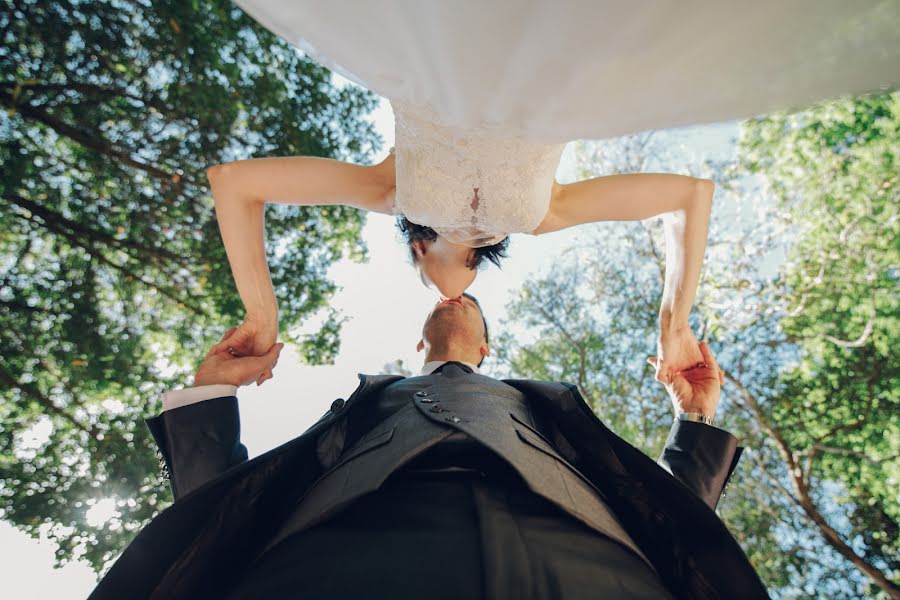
684 201
306 180
241 189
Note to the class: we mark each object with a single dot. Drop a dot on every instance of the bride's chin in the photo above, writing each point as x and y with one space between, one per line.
455 289
448 285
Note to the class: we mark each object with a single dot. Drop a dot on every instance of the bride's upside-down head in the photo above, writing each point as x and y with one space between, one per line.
444 265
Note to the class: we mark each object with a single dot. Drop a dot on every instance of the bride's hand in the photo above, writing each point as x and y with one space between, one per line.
677 350
253 337
222 367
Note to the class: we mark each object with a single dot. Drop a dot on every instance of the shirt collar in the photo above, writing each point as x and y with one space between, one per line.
432 365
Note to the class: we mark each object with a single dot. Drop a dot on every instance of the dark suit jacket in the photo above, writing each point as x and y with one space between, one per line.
228 507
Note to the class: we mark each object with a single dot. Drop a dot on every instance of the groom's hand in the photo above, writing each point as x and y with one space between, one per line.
698 388
222 365
254 337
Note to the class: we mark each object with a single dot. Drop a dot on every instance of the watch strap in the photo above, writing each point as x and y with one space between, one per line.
695 417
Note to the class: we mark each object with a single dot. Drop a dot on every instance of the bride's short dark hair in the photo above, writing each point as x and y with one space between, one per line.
412 232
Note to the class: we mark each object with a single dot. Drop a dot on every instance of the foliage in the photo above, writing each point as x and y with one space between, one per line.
113 278
834 414
798 301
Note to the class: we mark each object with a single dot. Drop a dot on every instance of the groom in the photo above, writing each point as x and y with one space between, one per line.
451 484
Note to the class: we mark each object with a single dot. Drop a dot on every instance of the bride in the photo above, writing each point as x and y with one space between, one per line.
447 256
485 97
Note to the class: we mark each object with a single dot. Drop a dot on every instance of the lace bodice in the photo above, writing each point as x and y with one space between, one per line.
469 186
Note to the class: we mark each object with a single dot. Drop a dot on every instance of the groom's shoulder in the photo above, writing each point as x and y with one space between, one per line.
378 379
541 387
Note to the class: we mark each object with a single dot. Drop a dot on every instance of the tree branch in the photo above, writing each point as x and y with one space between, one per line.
787 493
660 262
26 249
870 399
832 536
98 254
864 336
97 144
24 307
94 90
50 215
820 449
32 392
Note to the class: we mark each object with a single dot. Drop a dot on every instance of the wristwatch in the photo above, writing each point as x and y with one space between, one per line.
695 417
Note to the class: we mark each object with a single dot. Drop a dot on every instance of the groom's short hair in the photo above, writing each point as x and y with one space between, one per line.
480 310
487 339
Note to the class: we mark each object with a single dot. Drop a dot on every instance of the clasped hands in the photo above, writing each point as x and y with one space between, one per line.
685 366
245 354
688 370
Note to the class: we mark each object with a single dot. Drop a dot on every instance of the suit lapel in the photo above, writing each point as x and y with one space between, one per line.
250 510
687 542
173 555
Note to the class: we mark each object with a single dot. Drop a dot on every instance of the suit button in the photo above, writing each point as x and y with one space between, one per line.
423 394
337 405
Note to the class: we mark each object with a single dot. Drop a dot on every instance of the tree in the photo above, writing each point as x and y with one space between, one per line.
397 367
832 415
798 301
113 278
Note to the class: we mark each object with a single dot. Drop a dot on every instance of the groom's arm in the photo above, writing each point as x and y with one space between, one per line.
199 439
702 457
199 430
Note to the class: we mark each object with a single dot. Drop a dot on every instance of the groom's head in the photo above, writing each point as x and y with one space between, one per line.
456 330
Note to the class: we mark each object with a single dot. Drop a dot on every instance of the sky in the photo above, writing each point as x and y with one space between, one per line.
385 304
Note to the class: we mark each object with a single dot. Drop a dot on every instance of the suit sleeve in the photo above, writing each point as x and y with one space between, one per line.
701 457
178 398
198 442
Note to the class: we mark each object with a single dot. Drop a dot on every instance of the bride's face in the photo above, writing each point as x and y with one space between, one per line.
443 266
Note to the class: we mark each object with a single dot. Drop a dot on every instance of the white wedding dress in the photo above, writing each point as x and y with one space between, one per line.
487 92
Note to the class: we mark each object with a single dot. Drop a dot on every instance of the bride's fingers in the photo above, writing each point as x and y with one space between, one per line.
227 335
711 361
226 342
221 343
662 374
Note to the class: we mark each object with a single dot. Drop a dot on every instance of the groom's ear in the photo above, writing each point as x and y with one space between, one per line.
420 346
485 349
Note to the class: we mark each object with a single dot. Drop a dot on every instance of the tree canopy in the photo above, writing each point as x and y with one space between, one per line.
799 302
114 278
